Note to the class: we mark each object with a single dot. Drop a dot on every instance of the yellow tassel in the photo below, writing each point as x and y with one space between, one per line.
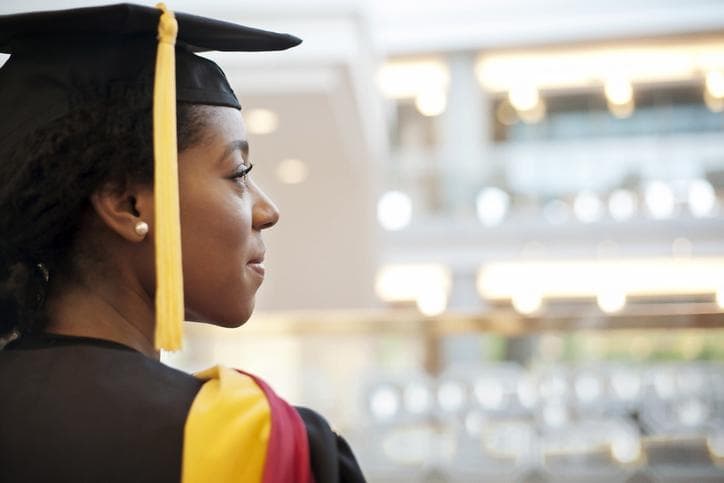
169 272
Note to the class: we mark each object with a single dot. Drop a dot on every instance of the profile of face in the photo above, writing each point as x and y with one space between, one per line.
223 214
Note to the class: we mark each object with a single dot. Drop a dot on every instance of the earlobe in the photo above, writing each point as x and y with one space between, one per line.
122 212
141 229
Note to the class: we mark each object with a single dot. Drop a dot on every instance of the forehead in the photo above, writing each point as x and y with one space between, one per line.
222 124
218 136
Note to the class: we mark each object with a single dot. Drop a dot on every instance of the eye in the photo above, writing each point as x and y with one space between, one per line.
243 172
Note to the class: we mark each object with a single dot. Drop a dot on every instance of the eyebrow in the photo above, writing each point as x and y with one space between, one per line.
241 145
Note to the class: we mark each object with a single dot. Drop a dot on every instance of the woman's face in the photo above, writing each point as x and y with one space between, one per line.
223 214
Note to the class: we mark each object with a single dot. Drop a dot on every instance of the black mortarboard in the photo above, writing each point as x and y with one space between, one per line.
65 57
69 59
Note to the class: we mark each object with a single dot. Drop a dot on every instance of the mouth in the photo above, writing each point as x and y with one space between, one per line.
256 264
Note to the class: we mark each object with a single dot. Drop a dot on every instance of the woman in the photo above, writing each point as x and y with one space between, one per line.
90 257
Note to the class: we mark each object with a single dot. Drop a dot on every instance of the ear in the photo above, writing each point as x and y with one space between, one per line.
122 209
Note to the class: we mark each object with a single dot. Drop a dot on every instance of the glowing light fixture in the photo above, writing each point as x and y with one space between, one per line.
619 95
406 79
492 205
589 278
715 104
715 442
431 102
428 285
588 67
524 97
394 210
702 198
506 114
626 447
527 301
714 90
527 102
261 121
384 402
622 204
618 91
659 199
425 81
714 84
611 300
292 171
587 207
432 300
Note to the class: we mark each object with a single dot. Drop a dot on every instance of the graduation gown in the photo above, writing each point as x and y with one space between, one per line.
87 410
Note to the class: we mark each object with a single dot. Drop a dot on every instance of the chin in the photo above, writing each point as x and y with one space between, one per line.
229 320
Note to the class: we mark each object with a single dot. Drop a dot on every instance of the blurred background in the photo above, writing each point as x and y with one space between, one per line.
501 249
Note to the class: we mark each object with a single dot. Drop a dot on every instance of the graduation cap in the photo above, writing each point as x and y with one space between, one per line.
65 59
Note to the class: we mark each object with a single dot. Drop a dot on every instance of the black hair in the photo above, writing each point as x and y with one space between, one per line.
45 185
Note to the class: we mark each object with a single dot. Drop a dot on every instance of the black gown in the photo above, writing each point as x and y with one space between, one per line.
87 410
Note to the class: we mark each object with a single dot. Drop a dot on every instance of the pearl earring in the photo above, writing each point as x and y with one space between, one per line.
141 228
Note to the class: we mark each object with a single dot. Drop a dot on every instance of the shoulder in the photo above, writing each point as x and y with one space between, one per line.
331 457
92 364
243 416
92 402
96 379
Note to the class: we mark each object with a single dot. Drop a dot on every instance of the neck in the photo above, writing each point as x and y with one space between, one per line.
104 311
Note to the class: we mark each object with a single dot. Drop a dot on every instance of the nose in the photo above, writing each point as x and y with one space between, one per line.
265 213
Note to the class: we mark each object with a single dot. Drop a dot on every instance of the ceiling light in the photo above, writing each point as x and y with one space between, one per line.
261 121
618 91
626 447
622 204
702 198
407 79
659 199
588 67
611 300
492 205
394 210
432 300
384 402
715 104
587 207
585 278
431 102
527 302
524 97
506 114
292 171
715 84
413 283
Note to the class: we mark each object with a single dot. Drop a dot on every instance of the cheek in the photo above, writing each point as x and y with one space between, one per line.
216 242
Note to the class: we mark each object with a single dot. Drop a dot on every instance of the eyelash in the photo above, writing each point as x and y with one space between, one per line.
243 173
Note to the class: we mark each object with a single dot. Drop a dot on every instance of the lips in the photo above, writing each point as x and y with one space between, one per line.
256 260
256 264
